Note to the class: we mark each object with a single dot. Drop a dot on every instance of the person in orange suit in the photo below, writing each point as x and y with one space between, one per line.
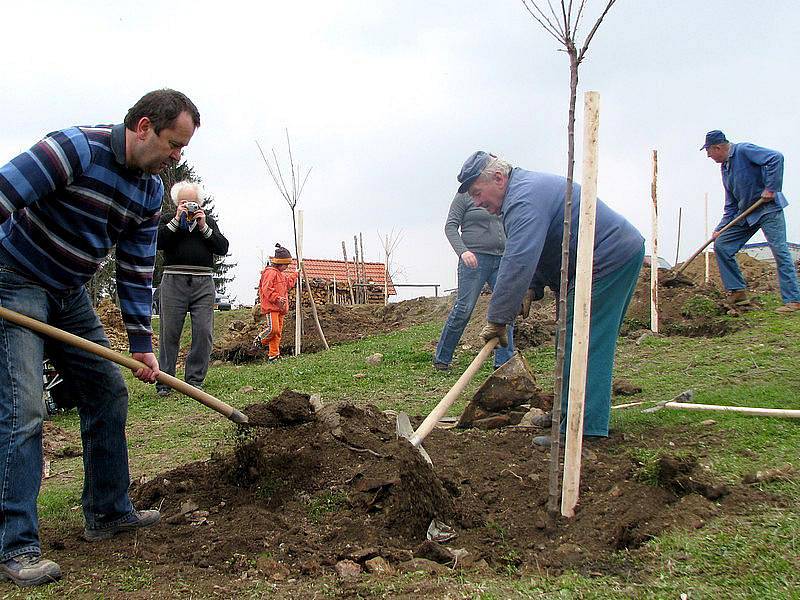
273 294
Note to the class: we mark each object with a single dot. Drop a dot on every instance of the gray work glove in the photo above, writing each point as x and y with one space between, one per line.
494 330
525 309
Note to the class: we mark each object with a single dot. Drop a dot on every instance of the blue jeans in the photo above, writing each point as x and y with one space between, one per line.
100 395
729 243
470 284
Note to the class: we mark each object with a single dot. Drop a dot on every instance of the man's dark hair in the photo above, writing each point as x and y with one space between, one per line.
162 107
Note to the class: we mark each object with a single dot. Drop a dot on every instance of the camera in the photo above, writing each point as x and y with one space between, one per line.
191 208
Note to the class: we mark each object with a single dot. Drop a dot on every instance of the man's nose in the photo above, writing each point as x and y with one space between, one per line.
176 154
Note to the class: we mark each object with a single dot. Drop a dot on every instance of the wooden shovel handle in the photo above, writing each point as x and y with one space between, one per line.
126 361
444 404
755 206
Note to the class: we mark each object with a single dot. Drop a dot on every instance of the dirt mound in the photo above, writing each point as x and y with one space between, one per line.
295 499
111 318
340 323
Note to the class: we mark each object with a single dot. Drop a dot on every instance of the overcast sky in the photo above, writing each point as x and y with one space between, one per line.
386 99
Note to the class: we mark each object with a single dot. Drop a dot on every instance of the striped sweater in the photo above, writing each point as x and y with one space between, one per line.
67 201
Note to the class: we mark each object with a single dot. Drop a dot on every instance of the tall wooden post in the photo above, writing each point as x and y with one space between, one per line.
654 250
707 252
363 267
335 295
347 271
678 243
359 289
582 308
386 274
298 312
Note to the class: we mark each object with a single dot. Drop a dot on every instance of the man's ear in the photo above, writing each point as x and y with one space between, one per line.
143 128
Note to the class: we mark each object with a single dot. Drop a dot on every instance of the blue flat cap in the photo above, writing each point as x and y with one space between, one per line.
714 137
471 169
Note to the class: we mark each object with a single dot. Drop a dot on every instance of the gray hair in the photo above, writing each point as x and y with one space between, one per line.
187 185
495 165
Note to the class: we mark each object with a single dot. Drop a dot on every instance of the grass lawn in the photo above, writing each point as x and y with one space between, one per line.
753 555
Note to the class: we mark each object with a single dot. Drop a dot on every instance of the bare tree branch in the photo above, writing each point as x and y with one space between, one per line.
546 24
589 37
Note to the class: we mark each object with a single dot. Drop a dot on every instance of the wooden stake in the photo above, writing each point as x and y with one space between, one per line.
386 273
363 268
298 313
355 265
311 297
347 270
654 251
678 243
335 297
707 252
582 308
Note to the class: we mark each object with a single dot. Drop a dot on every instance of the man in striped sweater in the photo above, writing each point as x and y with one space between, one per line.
64 204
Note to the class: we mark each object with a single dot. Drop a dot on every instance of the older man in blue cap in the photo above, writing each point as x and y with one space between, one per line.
750 172
532 207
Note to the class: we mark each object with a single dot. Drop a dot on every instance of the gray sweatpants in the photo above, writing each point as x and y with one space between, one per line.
181 294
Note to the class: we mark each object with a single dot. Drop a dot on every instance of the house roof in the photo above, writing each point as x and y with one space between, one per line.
326 270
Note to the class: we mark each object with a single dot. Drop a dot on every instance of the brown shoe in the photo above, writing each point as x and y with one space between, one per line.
738 297
789 307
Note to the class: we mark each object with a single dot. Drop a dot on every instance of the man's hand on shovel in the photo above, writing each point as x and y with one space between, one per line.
494 330
149 374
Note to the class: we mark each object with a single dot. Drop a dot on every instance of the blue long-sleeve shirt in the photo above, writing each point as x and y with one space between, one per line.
67 201
533 215
749 171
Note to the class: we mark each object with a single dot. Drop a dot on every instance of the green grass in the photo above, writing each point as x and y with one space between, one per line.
752 555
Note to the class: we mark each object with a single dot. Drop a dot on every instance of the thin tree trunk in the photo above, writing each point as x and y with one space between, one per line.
554 495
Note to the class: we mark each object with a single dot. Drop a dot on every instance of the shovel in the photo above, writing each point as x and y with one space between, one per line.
126 361
404 428
681 280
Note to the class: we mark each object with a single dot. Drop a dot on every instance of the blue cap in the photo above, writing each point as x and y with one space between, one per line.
471 169
713 138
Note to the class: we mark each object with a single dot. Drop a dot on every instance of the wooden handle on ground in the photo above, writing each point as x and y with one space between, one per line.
748 410
444 404
755 206
126 361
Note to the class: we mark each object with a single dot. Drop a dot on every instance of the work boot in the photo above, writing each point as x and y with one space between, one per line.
136 520
545 441
542 420
30 569
164 392
441 366
738 297
789 307
273 358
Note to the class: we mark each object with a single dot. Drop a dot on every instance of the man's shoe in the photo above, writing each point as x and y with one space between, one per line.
30 569
738 297
441 366
543 420
137 520
789 307
544 441
164 392
273 358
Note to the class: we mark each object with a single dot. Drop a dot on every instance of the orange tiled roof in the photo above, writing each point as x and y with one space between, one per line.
327 269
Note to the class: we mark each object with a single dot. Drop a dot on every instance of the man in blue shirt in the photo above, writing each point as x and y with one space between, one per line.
750 172
64 204
532 208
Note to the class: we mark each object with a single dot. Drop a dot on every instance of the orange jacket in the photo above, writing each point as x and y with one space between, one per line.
273 286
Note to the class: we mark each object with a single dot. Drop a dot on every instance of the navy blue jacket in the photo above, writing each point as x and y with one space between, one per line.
749 171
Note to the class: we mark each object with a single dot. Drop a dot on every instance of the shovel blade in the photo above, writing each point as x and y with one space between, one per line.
403 426
405 430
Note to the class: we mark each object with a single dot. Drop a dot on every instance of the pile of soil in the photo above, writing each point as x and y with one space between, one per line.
111 318
335 487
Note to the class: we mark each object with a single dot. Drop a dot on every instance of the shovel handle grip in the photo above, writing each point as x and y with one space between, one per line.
445 403
754 207
125 361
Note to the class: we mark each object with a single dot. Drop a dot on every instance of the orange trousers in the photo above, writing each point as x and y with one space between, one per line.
272 332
